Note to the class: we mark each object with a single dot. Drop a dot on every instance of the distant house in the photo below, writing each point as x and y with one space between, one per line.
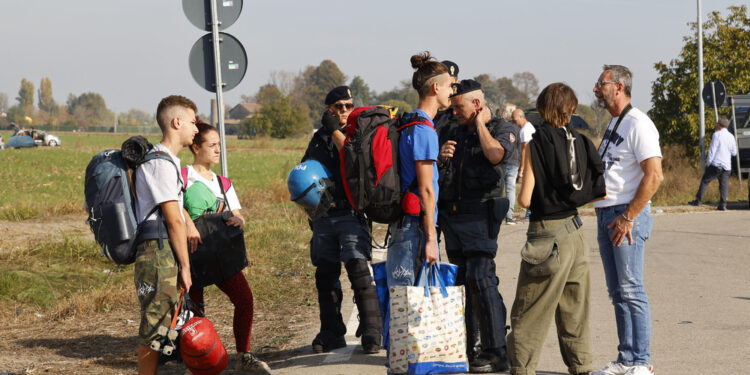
235 116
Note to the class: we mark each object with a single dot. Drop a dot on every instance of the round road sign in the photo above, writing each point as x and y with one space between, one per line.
199 12
233 62
714 86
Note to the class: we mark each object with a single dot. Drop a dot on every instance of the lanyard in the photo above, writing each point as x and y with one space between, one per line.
617 124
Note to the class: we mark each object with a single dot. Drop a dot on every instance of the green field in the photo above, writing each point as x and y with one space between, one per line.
69 275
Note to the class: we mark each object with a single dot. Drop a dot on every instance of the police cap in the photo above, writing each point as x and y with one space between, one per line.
338 93
466 85
452 67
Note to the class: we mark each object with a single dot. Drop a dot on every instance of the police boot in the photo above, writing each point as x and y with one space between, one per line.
366 297
332 328
482 283
473 326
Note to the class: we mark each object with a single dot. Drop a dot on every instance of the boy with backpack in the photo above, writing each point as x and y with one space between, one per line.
161 266
340 236
418 153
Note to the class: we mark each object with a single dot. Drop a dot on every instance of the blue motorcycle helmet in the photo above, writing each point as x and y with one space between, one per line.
310 185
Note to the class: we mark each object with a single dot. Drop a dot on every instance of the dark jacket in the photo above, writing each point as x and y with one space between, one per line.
469 175
322 149
554 196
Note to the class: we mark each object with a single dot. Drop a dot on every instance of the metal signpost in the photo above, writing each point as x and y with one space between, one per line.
701 109
218 61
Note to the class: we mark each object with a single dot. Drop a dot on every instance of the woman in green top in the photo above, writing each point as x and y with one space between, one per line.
206 192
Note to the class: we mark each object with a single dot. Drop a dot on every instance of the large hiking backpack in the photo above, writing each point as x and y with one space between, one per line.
369 162
110 200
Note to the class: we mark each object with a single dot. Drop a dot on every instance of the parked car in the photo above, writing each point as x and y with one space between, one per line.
2 143
41 137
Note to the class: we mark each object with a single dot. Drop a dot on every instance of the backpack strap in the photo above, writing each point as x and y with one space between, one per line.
184 173
158 155
225 183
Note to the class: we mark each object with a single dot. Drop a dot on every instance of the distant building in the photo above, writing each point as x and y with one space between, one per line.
239 113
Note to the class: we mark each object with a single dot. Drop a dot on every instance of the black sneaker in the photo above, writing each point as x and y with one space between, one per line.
326 341
695 203
722 207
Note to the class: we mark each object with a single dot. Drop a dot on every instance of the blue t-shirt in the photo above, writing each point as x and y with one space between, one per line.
419 142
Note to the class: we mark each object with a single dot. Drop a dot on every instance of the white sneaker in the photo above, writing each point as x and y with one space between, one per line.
641 370
613 368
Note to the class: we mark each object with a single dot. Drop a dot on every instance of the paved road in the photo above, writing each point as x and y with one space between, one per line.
698 284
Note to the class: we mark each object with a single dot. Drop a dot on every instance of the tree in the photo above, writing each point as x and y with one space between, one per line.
596 116
361 92
500 91
89 109
25 97
726 51
3 102
137 117
315 84
46 101
403 107
277 117
405 93
527 83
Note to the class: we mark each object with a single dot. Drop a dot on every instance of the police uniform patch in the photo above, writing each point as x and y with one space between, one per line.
511 138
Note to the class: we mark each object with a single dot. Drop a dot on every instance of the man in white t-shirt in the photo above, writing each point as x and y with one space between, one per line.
524 135
632 171
718 163
161 266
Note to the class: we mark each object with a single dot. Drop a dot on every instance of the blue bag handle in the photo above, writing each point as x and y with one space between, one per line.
430 276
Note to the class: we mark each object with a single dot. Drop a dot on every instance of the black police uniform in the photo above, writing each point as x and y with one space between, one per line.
471 209
341 236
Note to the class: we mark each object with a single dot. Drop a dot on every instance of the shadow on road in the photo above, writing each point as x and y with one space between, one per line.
110 351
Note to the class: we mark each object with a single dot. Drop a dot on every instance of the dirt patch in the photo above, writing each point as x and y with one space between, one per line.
15 235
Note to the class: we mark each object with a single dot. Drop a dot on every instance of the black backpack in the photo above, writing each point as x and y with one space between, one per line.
370 163
110 197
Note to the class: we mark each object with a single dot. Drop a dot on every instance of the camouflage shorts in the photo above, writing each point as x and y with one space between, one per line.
156 285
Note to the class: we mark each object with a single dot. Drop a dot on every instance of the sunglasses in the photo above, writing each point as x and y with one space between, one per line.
341 106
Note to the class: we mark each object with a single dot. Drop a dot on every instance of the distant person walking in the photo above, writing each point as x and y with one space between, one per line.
632 171
718 163
513 161
524 135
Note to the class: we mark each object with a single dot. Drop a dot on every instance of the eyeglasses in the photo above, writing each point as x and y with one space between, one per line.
600 84
340 106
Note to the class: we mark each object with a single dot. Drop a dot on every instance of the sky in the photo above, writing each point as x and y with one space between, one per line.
134 52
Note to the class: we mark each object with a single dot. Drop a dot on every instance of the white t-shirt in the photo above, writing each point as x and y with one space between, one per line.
193 176
157 181
636 140
526 131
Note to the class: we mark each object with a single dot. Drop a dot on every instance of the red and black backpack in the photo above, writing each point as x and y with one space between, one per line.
369 162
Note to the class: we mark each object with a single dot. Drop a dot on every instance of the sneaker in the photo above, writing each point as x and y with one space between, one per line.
695 203
326 341
722 207
613 368
510 221
641 370
249 363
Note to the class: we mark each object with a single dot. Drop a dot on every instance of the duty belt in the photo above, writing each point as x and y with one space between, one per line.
464 207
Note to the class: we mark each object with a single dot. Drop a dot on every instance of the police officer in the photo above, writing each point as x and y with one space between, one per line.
470 213
340 236
445 120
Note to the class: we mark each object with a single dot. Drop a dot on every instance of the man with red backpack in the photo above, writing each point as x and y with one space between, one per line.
340 235
418 151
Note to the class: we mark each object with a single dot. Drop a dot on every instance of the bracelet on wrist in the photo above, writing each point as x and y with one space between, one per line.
627 219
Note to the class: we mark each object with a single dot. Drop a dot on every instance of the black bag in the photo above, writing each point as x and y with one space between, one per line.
222 253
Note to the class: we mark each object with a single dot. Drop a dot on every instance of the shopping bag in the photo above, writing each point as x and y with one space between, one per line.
447 271
427 334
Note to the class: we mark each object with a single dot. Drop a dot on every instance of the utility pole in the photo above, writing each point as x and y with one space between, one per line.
701 106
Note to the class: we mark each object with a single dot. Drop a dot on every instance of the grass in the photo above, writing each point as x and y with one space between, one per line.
68 278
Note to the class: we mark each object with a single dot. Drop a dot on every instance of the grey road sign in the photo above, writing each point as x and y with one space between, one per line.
199 12
714 89
233 62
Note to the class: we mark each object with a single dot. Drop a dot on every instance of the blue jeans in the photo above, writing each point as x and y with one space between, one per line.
511 173
407 240
623 271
